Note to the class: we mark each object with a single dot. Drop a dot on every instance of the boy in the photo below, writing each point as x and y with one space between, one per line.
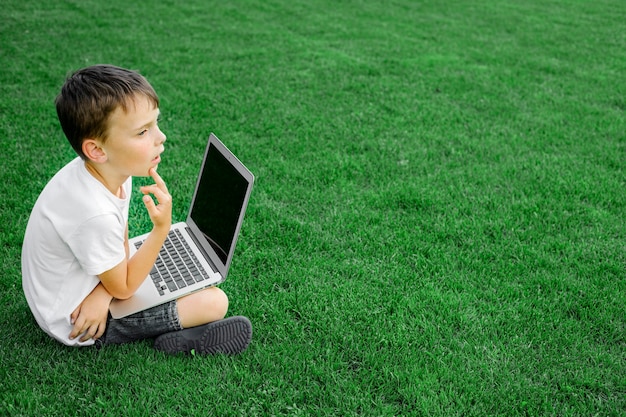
75 256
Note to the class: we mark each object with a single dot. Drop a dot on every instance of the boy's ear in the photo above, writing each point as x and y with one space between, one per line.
93 151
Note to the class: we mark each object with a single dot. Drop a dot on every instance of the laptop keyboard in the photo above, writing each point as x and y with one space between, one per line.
176 266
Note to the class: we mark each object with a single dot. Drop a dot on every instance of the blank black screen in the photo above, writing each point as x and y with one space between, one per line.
218 203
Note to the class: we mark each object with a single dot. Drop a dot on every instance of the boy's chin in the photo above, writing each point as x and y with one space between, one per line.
147 173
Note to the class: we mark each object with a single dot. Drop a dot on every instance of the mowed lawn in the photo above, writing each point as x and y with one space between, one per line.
438 224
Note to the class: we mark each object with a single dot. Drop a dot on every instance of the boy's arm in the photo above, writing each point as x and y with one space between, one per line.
90 317
123 280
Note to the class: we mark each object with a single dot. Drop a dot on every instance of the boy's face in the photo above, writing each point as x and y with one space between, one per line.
134 141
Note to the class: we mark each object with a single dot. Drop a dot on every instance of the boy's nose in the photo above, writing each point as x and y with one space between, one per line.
163 138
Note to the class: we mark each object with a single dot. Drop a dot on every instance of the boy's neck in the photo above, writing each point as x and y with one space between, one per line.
112 183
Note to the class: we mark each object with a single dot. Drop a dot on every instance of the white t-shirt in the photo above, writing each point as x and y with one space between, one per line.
75 232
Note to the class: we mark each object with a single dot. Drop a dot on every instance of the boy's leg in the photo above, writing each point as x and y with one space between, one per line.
193 322
205 330
202 307
193 310
146 324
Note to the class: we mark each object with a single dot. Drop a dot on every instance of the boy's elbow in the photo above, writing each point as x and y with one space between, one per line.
121 292
115 281
118 291
122 295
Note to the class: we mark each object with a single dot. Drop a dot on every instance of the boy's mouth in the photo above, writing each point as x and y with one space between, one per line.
157 159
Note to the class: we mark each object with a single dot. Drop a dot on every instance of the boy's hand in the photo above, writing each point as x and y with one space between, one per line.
161 214
90 317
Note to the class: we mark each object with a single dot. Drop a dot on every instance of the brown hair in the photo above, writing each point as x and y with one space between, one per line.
91 94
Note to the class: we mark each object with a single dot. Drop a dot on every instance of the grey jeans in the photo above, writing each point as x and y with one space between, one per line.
146 324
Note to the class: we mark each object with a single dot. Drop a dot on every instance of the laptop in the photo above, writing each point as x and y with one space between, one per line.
198 252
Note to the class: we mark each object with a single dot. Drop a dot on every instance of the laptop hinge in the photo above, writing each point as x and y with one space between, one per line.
201 249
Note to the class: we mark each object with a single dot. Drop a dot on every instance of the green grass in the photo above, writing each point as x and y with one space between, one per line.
438 222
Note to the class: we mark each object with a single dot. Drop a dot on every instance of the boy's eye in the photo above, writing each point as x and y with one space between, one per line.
143 132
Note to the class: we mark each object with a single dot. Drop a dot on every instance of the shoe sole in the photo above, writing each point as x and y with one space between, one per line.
229 336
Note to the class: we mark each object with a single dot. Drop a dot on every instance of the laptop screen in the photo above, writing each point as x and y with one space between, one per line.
220 200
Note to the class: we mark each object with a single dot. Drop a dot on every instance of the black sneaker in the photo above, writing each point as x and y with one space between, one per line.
230 336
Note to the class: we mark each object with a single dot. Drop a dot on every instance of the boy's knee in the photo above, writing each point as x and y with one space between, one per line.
202 307
216 300
213 301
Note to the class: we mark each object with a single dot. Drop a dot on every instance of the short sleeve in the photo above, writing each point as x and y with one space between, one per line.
98 243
